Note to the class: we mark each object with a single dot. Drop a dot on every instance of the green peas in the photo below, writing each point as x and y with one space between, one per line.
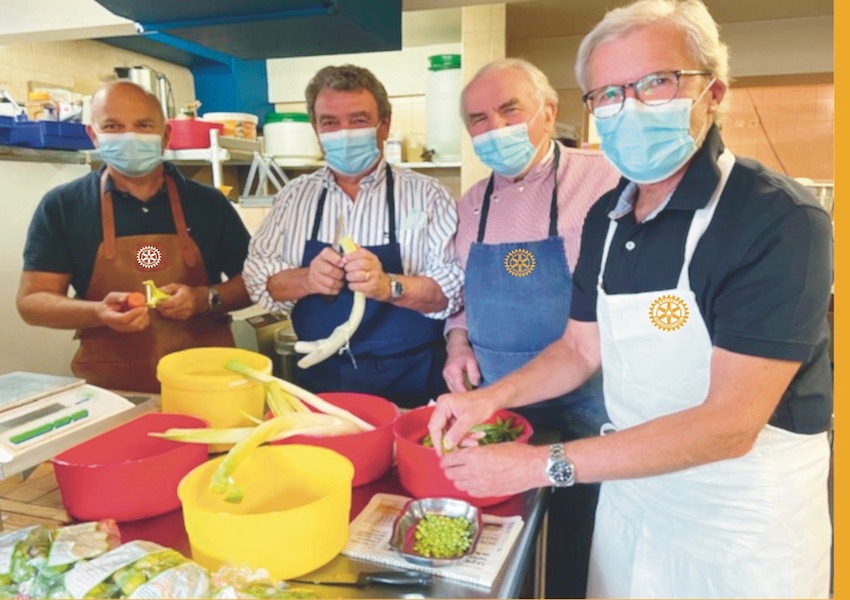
438 536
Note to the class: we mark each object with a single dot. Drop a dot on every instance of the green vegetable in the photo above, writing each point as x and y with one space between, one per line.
503 430
439 536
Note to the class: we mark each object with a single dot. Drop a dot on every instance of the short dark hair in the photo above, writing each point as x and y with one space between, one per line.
347 78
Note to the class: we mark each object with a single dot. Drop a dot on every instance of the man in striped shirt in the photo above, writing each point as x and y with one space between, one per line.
518 240
404 224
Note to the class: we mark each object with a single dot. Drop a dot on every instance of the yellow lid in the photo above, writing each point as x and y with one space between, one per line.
38 96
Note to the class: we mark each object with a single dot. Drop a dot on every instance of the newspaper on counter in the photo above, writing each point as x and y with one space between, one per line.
370 533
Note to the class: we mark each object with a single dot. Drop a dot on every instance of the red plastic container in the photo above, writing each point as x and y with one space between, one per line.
191 133
371 452
124 474
419 466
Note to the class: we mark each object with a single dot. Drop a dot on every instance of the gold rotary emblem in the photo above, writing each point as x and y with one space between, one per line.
669 313
519 262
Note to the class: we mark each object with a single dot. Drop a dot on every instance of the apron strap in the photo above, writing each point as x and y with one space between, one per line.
180 222
553 205
702 217
107 218
390 197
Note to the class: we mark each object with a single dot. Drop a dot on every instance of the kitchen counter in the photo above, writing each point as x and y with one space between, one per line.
37 500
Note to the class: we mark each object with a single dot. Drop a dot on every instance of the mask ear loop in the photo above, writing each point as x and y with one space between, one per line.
698 99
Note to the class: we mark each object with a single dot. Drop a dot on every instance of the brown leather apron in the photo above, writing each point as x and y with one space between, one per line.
127 361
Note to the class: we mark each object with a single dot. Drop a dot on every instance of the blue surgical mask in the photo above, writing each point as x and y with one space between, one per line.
351 151
506 150
131 154
647 144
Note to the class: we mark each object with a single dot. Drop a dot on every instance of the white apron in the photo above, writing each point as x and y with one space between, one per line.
754 526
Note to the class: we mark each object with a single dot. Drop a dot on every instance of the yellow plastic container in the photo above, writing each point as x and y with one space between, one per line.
293 518
195 382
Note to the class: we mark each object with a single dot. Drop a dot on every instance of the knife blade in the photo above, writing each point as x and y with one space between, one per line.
364 578
328 298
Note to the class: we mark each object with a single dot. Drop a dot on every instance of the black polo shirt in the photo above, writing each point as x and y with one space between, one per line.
66 229
762 272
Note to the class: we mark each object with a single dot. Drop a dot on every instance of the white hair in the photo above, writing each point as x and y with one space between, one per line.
689 16
543 89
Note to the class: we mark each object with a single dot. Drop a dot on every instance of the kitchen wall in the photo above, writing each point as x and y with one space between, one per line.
22 347
80 66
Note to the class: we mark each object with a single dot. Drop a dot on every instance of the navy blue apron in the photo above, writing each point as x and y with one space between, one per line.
398 353
517 298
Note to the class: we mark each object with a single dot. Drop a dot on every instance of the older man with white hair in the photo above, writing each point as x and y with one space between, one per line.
702 290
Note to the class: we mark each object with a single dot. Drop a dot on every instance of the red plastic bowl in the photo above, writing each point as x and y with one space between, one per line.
191 133
419 466
124 474
370 451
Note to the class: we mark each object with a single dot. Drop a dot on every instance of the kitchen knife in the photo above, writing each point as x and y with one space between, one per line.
364 579
328 298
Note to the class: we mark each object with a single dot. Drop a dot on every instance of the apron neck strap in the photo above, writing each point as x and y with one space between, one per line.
553 205
390 198
107 216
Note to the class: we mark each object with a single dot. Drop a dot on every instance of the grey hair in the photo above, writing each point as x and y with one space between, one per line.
347 78
689 16
543 89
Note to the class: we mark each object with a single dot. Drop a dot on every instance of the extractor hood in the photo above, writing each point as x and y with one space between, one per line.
261 29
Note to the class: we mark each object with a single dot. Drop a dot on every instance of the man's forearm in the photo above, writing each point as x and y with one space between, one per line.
421 294
233 293
288 285
49 309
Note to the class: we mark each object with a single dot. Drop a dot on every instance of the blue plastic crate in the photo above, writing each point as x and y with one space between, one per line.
6 125
50 134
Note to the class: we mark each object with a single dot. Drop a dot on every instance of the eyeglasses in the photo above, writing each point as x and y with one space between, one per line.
653 89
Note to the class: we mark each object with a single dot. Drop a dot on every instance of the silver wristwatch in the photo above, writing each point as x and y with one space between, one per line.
396 287
560 471
214 300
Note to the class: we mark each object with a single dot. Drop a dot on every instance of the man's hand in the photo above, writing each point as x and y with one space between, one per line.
325 274
461 361
455 414
365 273
496 469
185 301
113 315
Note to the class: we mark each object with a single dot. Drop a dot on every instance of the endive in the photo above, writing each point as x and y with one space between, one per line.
318 350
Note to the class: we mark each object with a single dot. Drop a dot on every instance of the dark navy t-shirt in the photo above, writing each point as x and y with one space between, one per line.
66 229
762 271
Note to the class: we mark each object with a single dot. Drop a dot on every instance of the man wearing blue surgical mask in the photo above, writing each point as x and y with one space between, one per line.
403 223
134 219
702 292
518 241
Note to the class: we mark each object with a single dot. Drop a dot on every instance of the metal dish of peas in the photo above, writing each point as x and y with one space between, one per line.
435 532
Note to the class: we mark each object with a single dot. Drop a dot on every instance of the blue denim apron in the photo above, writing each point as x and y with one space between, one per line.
517 298
396 353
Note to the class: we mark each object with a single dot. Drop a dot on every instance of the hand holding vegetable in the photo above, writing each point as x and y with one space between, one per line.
182 302
365 273
319 350
325 274
455 414
113 313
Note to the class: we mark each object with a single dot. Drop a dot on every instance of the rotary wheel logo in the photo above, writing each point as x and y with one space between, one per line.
669 313
519 262
148 257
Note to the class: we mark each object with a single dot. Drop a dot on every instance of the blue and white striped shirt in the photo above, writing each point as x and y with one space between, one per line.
426 222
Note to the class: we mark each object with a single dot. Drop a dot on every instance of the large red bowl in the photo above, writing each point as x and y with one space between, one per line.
371 452
419 466
125 474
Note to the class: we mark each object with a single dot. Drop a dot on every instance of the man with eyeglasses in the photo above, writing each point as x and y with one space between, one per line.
701 290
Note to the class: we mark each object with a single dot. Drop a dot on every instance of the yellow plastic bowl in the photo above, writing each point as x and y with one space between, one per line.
195 382
292 520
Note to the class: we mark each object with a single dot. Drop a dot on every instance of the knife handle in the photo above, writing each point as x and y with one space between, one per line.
399 578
